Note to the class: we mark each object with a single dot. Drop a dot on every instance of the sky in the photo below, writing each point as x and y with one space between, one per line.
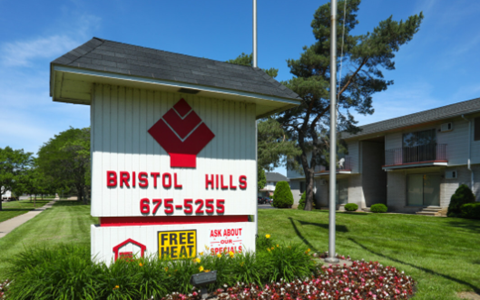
438 67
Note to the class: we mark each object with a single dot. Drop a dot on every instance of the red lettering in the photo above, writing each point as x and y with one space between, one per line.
143 179
168 204
221 183
124 178
187 204
199 209
175 183
111 178
208 182
220 206
133 179
243 182
216 177
231 183
164 177
145 206
155 175
209 205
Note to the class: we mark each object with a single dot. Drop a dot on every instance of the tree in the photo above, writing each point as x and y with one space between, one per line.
274 147
35 182
66 159
365 57
13 164
262 179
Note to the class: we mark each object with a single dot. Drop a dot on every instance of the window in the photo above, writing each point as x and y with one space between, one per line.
302 186
476 130
419 146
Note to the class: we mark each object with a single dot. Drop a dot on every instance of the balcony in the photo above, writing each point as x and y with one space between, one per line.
344 165
424 155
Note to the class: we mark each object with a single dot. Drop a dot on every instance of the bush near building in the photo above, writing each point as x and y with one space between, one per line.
351 207
379 208
282 197
463 195
470 211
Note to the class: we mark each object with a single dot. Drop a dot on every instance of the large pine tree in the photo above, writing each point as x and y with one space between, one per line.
365 57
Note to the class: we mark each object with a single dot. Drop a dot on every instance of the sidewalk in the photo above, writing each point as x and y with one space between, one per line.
9 225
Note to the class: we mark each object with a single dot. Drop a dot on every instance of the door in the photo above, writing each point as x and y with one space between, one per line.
423 189
431 189
342 191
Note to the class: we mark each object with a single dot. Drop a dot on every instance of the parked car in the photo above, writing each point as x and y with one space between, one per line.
261 200
268 200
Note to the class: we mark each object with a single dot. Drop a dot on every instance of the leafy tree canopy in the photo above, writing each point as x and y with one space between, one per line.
66 159
13 166
365 57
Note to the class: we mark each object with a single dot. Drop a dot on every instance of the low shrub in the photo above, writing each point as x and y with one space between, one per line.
378 208
351 207
463 195
470 211
303 199
282 197
67 272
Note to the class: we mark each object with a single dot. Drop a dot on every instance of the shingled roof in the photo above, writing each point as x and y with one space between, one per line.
108 56
436 114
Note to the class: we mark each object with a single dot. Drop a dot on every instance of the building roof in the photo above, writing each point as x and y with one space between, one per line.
114 57
275 177
436 114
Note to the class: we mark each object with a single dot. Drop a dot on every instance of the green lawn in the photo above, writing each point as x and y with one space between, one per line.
15 208
442 254
65 222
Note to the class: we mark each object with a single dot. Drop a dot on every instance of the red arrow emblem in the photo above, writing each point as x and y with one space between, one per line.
182 134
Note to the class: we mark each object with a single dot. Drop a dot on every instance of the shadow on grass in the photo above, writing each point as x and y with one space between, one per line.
17 209
473 225
448 277
340 228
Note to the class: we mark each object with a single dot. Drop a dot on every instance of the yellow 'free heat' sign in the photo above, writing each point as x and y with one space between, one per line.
177 244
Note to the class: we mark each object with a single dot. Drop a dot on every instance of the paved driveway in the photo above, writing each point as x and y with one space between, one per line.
265 206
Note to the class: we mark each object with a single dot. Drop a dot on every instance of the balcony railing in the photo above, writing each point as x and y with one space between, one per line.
343 164
417 154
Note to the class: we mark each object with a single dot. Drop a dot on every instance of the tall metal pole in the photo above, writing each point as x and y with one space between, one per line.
255 34
333 133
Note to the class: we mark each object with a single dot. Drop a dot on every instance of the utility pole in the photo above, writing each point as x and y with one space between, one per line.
255 34
333 133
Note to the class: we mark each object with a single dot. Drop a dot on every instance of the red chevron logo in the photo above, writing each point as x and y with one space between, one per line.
182 134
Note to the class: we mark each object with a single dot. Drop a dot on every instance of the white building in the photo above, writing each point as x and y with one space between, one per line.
412 163
272 179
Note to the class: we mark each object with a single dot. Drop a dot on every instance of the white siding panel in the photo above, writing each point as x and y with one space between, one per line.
353 153
122 143
393 140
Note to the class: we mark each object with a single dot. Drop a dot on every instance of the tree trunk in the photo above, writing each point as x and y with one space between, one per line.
1 200
309 178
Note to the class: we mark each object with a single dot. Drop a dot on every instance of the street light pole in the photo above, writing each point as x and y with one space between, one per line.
255 33
333 134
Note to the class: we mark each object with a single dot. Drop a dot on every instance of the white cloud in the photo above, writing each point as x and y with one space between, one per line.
23 52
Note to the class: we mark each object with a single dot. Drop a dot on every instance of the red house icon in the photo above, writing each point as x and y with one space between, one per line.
128 254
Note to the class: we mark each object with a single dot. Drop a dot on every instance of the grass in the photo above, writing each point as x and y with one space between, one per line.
66 222
441 254
15 208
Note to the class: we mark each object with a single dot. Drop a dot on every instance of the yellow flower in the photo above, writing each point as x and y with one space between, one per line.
116 287
140 264
268 249
267 236
231 253
201 253
273 248
278 246
206 248
196 260
206 271
200 269
166 269
219 255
